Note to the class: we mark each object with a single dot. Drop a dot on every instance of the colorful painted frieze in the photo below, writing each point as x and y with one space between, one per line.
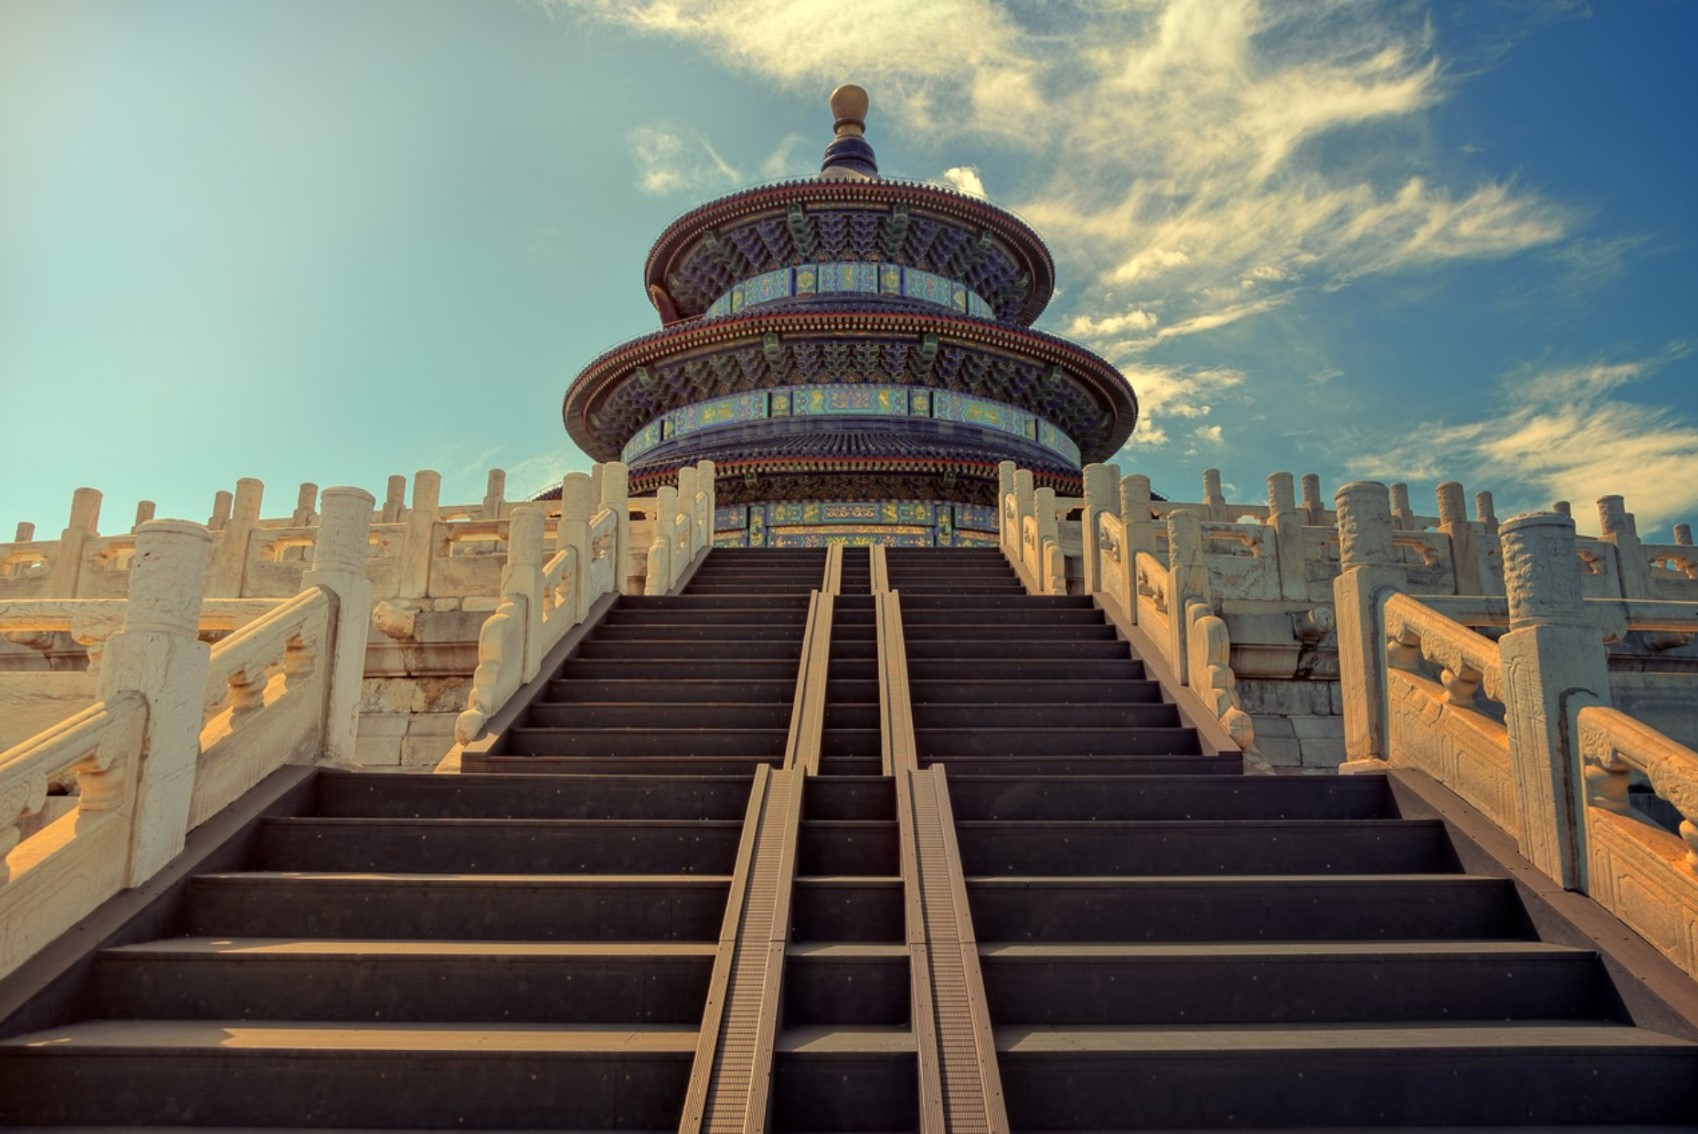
731 517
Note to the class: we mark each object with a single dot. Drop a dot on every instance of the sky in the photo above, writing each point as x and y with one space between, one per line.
331 241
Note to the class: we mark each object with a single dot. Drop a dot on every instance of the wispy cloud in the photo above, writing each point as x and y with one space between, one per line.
672 161
1561 433
1166 392
1183 134
964 179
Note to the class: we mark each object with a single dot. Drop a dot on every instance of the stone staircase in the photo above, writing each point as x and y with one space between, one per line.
563 936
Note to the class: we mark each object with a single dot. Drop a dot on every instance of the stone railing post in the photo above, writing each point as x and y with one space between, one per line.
521 578
159 654
1368 571
395 499
1025 490
339 566
1314 511
1464 552
1554 663
687 507
1101 495
577 503
83 525
220 510
615 495
1683 535
660 569
495 495
1140 523
1485 514
1213 499
1286 524
306 505
1007 525
1187 582
705 473
230 551
1618 527
420 546
1402 515
1562 508
26 532
144 513
1049 536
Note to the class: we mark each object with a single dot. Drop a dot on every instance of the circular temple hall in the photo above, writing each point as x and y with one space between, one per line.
856 356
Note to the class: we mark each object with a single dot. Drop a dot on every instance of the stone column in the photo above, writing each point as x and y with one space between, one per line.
1453 523
1619 528
577 503
159 654
1562 508
26 532
83 525
1101 482
144 513
1314 512
660 567
1286 524
339 566
420 545
1135 511
495 495
1554 662
1484 513
1213 499
1368 572
1683 535
521 578
1187 582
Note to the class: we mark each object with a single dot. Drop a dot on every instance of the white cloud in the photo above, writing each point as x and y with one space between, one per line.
1174 391
670 161
794 156
1109 326
1560 435
964 179
1209 434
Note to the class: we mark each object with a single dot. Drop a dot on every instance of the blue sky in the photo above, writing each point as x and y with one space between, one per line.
330 241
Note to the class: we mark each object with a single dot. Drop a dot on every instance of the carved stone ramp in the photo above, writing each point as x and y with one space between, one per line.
960 1087
730 1082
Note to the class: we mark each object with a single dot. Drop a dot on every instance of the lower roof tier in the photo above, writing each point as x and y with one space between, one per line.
628 389
799 448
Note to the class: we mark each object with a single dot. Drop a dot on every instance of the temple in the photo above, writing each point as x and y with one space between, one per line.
852 747
855 355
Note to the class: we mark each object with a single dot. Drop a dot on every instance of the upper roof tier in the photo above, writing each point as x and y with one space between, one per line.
849 213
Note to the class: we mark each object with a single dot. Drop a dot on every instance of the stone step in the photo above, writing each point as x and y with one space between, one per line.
501 846
473 796
860 847
777 605
853 984
1201 847
1308 983
839 908
916 617
1014 649
850 797
675 669
528 741
619 616
849 714
942 743
691 631
851 742
636 715
970 670
655 692
481 907
1169 797
1131 686
969 635
856 1078
717 650
1530 1074
1260 908
1038 765
517 982
1018 716
344 1074
742 764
